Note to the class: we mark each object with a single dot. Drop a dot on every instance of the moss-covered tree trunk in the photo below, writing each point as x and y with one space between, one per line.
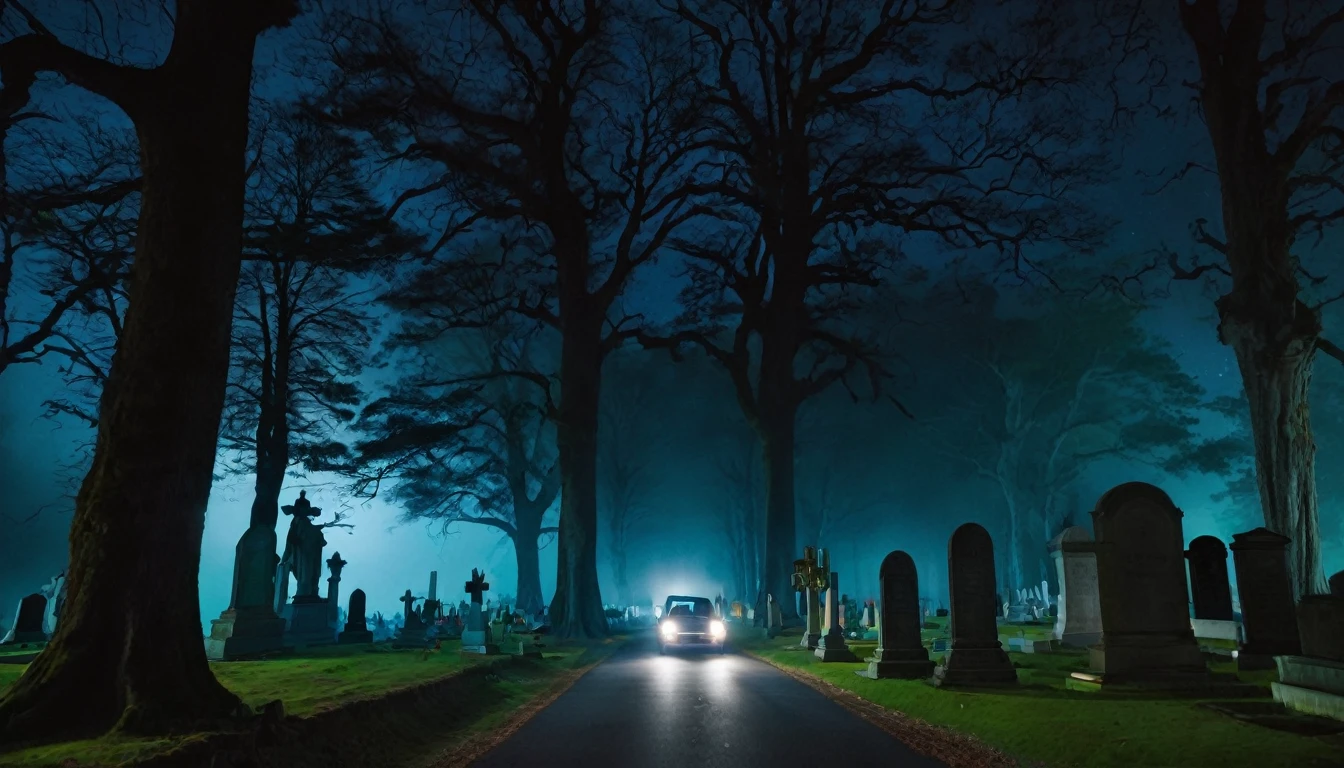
525 552
128 652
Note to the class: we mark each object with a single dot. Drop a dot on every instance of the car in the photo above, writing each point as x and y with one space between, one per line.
689 622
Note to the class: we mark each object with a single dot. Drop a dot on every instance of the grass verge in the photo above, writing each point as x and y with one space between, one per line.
345 706
1041 723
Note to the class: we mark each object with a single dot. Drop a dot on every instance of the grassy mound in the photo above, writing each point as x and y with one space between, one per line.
373 704
1043 723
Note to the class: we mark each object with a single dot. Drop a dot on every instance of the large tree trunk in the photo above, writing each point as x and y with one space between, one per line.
781 545
1275 355
128 651
529 569
576 610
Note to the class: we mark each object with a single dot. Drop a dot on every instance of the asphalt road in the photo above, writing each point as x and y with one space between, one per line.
695 709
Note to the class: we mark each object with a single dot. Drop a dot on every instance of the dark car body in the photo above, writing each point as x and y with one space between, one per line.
688 622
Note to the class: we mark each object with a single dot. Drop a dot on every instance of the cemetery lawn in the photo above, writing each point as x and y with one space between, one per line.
325 679
1044 724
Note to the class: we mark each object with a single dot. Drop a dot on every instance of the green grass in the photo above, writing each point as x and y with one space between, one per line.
1043 723
322 679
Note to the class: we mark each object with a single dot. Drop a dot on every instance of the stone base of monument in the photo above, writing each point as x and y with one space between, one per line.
833 648
810 640
974 667
309 624
242 633
1312 686
898 665
1079 639
478 641
1250 660
351 636
1216 629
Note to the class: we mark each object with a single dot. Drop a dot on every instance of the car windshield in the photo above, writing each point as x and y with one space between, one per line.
689 606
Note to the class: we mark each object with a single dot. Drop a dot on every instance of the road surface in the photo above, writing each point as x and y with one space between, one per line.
641 709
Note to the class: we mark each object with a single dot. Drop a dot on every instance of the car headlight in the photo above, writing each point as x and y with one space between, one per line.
716 629
669 629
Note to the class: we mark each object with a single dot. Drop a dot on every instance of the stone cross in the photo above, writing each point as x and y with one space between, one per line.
900 650
408 600
334 564
976 656
809 578
477 587
1209 588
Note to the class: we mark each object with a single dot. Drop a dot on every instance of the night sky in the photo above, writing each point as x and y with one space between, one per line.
386 558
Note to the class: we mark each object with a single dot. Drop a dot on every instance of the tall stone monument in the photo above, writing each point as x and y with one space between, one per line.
1209 588
1268 615
1145 614
252 625
900 649
976 657
1078 621
809 579
476 638
832 646
334 566
356 624
308 614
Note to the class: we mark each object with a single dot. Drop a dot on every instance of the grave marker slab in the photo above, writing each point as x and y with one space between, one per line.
27 627
976 657
900 651
356 624
832 646
1145 614
1209 588
1268 615
1078 610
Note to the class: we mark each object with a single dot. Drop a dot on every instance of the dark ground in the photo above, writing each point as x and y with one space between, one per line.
695 709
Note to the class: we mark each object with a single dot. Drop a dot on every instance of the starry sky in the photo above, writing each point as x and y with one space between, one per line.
386 557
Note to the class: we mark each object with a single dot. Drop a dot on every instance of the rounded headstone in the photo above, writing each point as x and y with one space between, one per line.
1209 588
899 585
970 559
1141 565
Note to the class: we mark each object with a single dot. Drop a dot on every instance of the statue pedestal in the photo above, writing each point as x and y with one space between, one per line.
905 664
355 636
244 632
309 623
832 647
478 641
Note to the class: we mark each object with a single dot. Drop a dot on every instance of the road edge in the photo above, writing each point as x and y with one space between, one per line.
954 748
474 748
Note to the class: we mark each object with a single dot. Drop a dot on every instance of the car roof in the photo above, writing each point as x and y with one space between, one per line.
686 598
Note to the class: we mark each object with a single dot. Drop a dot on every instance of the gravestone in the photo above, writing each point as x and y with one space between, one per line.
1313 682
334 566
412 633
1209 589
900 650
28 620
832 646
1078 609
1145 614
356 625
1268 616
250 625
1337 584
976 656
54 591
476 638
774 623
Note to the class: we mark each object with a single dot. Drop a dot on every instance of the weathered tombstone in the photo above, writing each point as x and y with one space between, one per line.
476 638
774 623
334 566
900 650
1268 616
356 625
976 656
412 633
1145 613
1209 588
832 646
1078 619
28 621
1337 584
250 625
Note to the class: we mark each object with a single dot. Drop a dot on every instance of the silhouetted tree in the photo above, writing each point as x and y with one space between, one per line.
128 650
302 329
1271 94
837 128
563 124
463 444
1046 392
629 446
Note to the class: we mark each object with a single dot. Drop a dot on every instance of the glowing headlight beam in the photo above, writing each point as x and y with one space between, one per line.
669 629
717 630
